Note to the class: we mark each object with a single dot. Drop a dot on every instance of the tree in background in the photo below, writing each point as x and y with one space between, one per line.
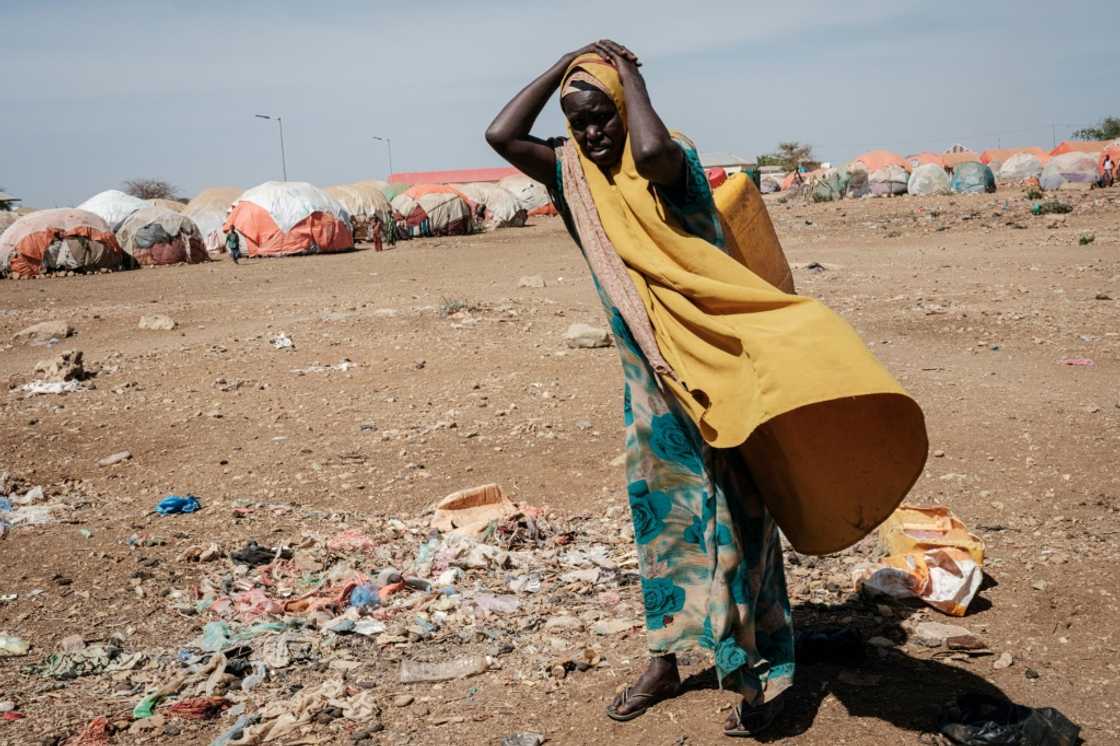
151 189
789 155
1108 129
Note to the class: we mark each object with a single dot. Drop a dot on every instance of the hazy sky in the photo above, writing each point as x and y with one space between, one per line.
97 92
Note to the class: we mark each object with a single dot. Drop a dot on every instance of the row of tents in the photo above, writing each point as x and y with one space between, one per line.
113 230
1072 164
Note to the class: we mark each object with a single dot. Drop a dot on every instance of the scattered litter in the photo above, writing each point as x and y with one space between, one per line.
473 511
116 458
344 365
38 388
253 555
1081 362
350 540
235 731
199 708
173 504
523 739
414 672
930 555
96 733
980 720
89 660
12 647
282 342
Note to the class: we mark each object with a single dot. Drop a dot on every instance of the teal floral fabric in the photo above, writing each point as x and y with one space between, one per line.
709 552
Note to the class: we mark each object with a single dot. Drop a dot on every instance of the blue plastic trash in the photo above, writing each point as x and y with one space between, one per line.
5 505
365 597
173 504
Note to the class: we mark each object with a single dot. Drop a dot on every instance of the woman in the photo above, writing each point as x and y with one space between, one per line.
706 346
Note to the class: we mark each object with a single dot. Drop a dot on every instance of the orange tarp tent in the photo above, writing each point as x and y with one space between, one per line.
24 246
999 155
1080 146
876 159
291 217
952 160
920 159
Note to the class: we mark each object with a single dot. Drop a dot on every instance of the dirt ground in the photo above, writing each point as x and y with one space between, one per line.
461 376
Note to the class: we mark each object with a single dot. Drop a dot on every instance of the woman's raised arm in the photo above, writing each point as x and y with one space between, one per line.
509 134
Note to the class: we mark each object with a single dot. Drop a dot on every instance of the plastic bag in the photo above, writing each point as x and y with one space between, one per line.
980 720
930 555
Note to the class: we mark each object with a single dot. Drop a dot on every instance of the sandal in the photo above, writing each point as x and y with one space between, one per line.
753 721
649 699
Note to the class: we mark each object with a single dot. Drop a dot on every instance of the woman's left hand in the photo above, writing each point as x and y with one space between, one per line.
625 61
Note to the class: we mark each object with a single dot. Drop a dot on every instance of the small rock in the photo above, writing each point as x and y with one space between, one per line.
157 322
1030 673
583 425
171 730
1002 662
66 367
72 644
115 458
935 634
403 700
44 332
587 337
1040 585
563 622
939 453
968 642
531 281
7 706
523 739
612 626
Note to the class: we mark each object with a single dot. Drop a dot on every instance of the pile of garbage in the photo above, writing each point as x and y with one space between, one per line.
482 585
22 504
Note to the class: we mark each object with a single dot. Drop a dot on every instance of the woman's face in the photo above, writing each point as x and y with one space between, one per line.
598 129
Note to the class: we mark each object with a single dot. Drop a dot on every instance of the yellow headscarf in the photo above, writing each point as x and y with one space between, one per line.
831 438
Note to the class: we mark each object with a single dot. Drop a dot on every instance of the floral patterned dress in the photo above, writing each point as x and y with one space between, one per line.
709 552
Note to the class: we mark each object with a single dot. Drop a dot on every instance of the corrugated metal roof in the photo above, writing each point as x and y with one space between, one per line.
456 176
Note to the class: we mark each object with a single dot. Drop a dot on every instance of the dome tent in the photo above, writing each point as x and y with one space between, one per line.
972 177
921 159
1020 167
874 160
158 236
369 210
957 157
167 204
1080 146
392 191
890 180
830 185
500 208
928 179
282 218
434 210
113 206
531 195
209 210
1070 169
995 157
58 240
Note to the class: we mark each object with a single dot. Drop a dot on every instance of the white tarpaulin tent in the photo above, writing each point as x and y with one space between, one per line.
208 210
501 207
113 206
928 179
531 195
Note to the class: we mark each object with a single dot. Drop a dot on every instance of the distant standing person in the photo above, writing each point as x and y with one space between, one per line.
1107 178
233 246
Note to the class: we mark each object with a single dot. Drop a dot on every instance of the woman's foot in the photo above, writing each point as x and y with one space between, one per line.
748 721
660 681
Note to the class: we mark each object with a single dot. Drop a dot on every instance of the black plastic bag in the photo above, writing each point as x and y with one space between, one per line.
980 720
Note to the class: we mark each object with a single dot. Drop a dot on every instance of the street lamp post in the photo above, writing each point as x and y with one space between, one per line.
283 158
389 144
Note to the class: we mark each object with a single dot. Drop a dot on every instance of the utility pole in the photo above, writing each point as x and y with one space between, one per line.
389 144
283 157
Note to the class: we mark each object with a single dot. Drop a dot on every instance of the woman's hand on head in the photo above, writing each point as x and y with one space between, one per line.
622 58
